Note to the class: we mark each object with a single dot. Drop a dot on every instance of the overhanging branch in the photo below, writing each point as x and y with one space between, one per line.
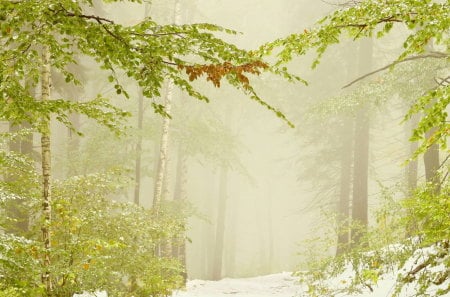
436 55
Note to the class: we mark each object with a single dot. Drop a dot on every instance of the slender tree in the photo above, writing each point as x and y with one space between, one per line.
220 224
345 186
41 35
46 172
361 151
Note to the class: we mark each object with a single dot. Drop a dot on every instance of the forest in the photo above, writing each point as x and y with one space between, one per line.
159 147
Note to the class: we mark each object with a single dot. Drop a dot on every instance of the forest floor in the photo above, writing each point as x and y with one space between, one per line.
280 285
429 262
286 285
274 285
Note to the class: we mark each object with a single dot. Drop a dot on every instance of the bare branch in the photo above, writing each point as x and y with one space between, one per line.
442 81
437 55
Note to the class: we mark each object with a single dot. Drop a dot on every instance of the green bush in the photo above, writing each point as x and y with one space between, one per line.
97 244
411 238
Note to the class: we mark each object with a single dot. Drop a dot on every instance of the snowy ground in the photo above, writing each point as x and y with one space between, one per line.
286 285
280 285
274 285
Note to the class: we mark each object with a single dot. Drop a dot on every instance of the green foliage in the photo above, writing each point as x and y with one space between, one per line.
434 106
146 52
426 20
428 24
384 250
428 213
96 243
19 257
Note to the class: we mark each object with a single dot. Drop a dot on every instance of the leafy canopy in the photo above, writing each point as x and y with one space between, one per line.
146 52
428 24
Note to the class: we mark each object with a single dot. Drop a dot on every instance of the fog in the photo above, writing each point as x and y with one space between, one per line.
280 185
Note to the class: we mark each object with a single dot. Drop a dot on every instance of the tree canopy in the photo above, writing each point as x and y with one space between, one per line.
146 52
428 24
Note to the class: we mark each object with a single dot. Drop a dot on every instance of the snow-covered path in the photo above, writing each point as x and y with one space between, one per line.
279 285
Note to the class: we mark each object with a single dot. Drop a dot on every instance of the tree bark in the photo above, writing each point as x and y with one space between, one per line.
137 170
345 188
431 161
163 151
180 194
17 209
220 225
411 170
361 152
163 158
360 179
46 173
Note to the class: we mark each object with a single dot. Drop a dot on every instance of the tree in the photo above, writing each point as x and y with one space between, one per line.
43 36
426 21
371 18
361 152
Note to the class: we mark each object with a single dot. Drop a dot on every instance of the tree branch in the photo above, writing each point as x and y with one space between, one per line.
383 20
437 55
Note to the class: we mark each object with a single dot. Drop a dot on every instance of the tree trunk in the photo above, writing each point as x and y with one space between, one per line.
411 170
74 142
431 161
17 208
360 178
345 187
163 151
46 173
163 158
137 170
180 194
361 152
220 225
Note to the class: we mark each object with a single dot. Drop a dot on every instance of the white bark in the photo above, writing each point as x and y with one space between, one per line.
164 147
46 171
161 176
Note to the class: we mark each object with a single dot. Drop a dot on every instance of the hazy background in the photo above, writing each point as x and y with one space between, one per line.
281 183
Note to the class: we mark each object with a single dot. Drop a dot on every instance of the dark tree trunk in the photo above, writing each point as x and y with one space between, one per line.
431 161
220 225
345 188
16 209
137 170
361 151
180 195
411 170
360 177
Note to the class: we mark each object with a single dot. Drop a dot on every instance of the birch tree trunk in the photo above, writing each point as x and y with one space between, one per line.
46 173
161 182
163 150
163 153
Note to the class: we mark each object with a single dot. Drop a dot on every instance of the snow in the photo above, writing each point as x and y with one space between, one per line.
275 285
280 285
96 294
286 285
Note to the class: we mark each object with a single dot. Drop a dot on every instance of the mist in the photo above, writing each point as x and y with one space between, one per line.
261 174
